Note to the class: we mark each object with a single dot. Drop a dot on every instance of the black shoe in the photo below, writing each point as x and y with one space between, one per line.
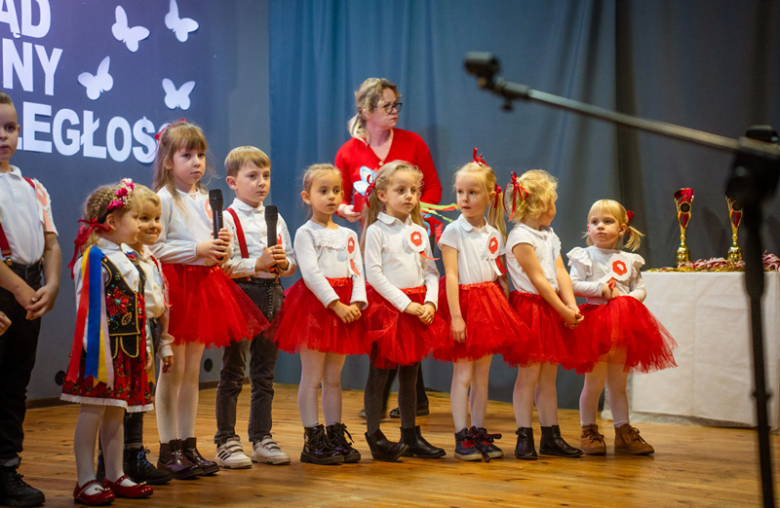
421 411
418 446
15 492
190 450
464 446
141 470
317 448
338 434
525 449
382 449
484 443
553 444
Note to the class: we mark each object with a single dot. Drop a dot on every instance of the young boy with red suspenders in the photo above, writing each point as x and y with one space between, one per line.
28 241
256 268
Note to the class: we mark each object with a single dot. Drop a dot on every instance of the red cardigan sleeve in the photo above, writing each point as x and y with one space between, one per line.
346 178
431 186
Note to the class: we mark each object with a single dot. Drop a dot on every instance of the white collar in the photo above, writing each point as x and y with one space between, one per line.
390 220
468 228
540 232
144 255
194 195
240 205
104 244
14 171
606 251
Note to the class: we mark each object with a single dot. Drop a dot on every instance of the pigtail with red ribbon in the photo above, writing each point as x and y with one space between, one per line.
512 188
630 215
82 237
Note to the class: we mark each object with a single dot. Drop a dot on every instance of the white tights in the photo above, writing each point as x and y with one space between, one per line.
316 368
475 374
594 384
109 420
176 398
536 381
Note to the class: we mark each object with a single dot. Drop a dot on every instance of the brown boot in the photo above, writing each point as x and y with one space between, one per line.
173 461
628 440
591 442
190 451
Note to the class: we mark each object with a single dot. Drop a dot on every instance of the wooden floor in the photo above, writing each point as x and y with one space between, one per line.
693 466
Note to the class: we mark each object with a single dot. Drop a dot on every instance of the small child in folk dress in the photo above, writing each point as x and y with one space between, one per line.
107 372
473 299
544 300
321 316
624 335
403 295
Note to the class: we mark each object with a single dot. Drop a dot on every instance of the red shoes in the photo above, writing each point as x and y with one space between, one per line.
133 492
103 496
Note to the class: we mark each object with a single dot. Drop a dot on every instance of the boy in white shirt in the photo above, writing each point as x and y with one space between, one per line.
28 241
256 268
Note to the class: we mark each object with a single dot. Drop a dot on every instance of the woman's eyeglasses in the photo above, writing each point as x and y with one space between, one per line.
392 106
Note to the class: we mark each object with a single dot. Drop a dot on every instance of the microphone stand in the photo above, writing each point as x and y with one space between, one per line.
753 180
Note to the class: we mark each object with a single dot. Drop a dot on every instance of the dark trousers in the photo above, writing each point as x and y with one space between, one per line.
267 294
422 397
18 346
134 422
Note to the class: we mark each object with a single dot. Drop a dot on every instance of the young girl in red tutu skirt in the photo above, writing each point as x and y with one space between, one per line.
473 300
321 316
544 300
107 372
207 308
403 295
624 335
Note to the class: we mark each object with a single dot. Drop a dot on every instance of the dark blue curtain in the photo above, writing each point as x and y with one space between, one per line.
707 65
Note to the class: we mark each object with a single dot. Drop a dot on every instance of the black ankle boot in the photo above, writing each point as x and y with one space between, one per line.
464 446
15 492
382 449
141 470
525 449
418 446
190 450
317 448
338 434
553 444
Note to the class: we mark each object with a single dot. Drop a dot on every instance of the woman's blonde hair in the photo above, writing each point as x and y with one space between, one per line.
485 172
382 181
618 211
536 193
143 193
367 98
176 136
96 207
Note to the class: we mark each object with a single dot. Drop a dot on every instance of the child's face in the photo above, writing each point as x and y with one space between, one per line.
401 195
9 134
125 228
188 166
252 183
547 217
150 226
472 198
325 194
604 230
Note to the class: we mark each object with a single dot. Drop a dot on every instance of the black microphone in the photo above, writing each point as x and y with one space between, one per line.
271 218
215 200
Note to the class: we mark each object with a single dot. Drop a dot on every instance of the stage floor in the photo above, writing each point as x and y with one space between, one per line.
692 466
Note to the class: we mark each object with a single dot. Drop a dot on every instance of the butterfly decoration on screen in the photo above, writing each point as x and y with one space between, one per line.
100 82
180 26
123 33
177 98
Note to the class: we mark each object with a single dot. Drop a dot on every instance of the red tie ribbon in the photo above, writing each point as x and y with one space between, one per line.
516 187
477 159
83 236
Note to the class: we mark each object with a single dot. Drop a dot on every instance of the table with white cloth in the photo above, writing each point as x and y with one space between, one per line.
708 314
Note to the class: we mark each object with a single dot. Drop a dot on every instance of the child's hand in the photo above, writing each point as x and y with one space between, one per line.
42 301
414 309
427 313
572 317
280 257
167 364
346 313
224 235
24 295
458 327
609 292
213 249
266 260
347 211
4 322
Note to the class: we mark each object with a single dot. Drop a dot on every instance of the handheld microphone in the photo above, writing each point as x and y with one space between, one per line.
271 218
215 200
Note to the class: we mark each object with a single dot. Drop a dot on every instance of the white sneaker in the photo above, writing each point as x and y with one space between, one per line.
269 452
230 455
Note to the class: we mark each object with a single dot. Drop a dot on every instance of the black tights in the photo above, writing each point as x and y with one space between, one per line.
407 396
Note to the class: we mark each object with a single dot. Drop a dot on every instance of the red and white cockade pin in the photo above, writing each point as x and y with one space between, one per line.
618 268
416 239
351 254
493 252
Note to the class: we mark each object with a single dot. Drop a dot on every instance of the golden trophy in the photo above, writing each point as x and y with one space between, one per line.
683 198
735 217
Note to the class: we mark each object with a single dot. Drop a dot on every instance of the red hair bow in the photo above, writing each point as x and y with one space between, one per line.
630 215
371 188
159 134
515 187
498 194
477 159
81 239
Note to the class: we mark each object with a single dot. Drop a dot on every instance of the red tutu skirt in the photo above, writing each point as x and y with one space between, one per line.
207 307
401 338
623 331
549 341
131 385
490 322
304 322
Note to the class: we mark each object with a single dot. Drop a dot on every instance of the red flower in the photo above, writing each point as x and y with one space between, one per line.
117 303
